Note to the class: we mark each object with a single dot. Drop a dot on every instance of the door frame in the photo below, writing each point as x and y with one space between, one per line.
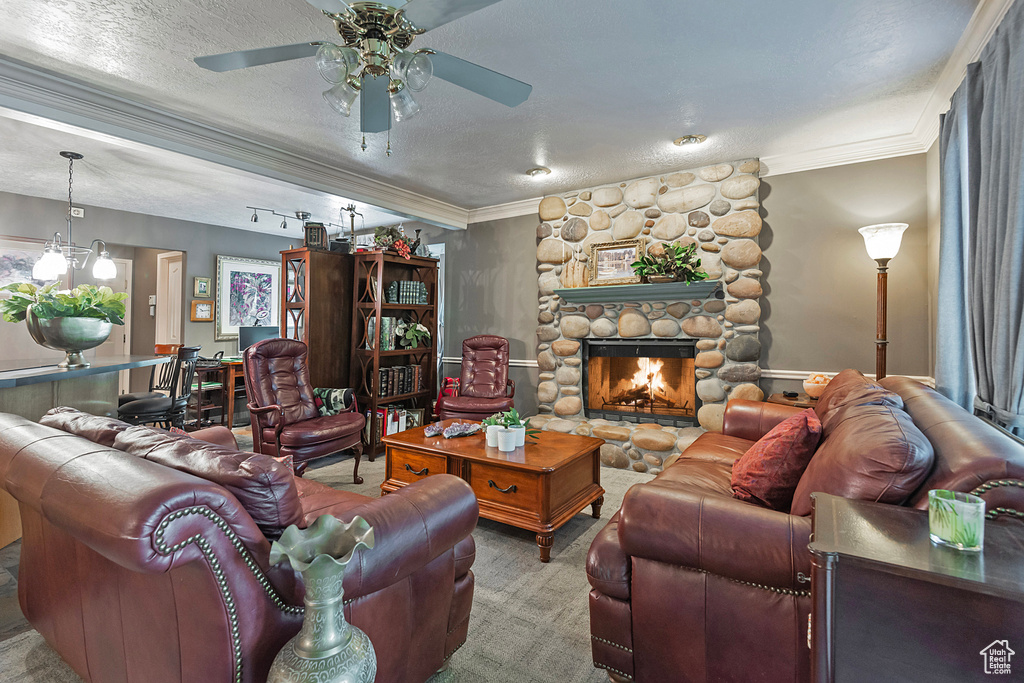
165 324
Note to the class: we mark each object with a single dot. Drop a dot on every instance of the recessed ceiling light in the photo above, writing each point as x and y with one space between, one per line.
539 172
690 140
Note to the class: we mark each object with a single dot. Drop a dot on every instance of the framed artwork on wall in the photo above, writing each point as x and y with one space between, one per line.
203 286
610 262
248 294
17 257
202 310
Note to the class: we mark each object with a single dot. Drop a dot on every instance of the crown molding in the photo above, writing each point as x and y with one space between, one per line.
34 92
984 22
524 207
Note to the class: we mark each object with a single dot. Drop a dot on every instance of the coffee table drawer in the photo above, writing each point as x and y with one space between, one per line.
514 488
409 466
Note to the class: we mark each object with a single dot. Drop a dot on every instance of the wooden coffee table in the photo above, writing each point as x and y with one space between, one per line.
538 487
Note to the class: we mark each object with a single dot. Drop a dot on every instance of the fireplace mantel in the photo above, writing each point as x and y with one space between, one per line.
667 291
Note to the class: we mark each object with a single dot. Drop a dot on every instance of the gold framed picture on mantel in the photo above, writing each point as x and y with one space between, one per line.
610 263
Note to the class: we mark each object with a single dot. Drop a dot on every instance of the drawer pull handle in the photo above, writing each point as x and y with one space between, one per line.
510 489
425 471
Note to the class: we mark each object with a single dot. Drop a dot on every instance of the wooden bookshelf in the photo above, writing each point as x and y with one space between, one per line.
374 271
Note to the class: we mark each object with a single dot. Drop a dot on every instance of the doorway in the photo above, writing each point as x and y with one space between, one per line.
170 276
119 343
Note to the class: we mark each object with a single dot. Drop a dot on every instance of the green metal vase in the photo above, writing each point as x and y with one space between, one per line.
328 649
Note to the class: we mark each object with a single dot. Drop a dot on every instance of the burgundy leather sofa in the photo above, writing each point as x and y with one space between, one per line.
285 419
691 584
137 572
484 386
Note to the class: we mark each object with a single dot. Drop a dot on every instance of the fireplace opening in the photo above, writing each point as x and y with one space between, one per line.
652 381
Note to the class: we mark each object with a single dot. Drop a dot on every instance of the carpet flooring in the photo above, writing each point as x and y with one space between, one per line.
530 621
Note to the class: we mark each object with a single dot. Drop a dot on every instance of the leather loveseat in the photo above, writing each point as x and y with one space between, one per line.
135 570
692 584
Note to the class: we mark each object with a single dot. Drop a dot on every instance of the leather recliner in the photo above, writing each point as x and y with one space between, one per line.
285 419
484 386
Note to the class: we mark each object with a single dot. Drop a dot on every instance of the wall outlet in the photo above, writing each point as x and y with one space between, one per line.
77 212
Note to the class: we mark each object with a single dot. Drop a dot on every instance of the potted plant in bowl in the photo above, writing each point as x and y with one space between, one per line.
391 237
670 262
70 321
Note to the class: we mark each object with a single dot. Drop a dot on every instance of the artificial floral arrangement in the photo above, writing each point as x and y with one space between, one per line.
84 301
670 260
412 335
391 237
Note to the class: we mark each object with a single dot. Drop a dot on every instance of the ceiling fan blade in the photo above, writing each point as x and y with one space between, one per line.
482 81
374 105
331 6
428 14
242 59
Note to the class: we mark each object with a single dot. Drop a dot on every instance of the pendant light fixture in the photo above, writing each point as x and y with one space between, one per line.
57 255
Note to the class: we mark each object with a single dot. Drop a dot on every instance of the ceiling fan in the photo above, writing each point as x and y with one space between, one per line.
374 61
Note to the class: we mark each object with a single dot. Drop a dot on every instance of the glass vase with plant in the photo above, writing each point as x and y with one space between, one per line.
412 335
670 262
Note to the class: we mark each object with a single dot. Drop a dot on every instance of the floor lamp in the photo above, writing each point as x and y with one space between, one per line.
882 243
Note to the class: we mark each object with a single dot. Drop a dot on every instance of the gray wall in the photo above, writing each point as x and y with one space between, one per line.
819 302
491 288
24 216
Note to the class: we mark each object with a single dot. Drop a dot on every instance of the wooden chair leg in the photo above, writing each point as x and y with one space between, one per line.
357 451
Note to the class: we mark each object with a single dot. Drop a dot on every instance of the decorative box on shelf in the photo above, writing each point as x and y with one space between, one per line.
667 291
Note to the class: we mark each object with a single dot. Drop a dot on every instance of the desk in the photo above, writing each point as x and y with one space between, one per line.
230 371
888 605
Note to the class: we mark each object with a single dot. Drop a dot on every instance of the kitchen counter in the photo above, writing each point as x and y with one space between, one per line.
18 373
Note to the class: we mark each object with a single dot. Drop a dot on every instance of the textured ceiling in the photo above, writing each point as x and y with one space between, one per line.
614 82
135 178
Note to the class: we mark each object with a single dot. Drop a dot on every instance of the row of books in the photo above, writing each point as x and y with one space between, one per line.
388 334
390 420
407 292
400 379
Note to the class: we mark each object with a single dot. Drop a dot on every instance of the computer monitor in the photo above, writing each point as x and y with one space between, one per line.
247 336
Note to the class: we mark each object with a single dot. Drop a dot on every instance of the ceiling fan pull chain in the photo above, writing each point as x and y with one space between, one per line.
364 142
388 152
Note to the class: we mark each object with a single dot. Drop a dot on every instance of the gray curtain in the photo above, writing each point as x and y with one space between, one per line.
958 160
996 275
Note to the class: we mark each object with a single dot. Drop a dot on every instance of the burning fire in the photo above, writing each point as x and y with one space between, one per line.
649 374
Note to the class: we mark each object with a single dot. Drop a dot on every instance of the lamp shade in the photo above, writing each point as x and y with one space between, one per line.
341 96
104 268
50 266
882 241
403 105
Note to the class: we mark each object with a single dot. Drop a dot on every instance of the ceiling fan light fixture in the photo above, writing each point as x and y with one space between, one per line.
331 63
694 139
403 104
341 96
413 68
539 172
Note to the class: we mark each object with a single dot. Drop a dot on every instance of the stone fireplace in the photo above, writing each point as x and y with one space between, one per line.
585 386
633 381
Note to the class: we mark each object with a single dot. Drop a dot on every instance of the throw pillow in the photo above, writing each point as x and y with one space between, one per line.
870 452
767 474
333 401
264 487
96 428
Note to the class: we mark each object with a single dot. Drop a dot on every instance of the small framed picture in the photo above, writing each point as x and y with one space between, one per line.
204 286
413 418
610 263
202 311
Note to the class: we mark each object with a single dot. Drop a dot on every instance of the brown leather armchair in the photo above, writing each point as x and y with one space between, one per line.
484 387
285 419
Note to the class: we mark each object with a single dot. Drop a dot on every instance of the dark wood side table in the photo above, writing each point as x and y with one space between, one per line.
801 400
887 605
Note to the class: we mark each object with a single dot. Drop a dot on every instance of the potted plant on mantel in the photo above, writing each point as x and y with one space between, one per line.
70 321
670 262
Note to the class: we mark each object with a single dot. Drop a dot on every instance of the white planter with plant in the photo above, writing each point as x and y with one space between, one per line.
512 421
506 440
70 321
491 426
